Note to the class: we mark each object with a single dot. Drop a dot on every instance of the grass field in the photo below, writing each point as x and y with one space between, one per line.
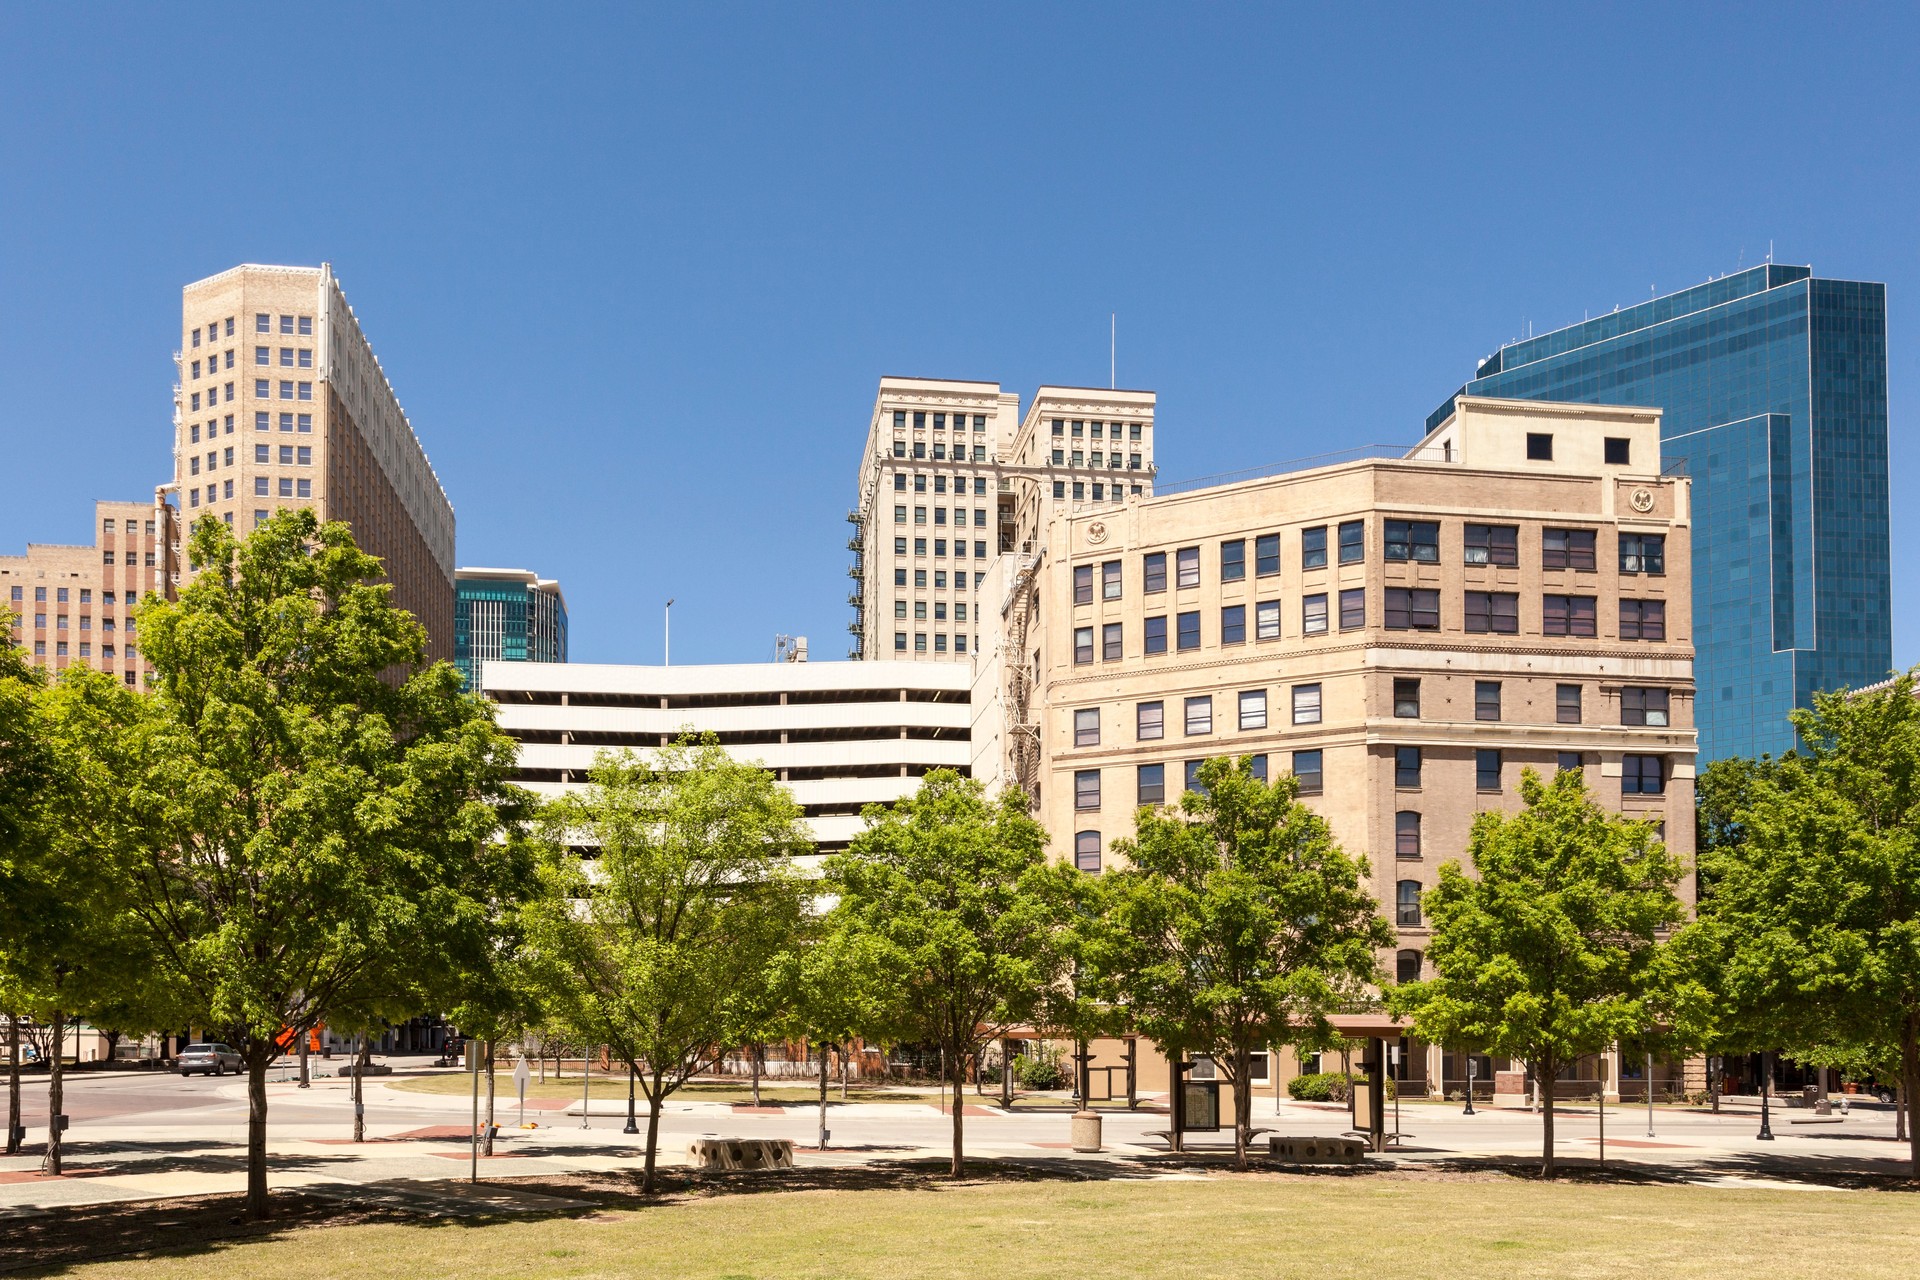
607 1086
1433 1227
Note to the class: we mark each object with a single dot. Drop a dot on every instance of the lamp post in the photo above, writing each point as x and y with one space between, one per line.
1766 1084
586 1086
632 1125
1649 1094
666 653
1473 1069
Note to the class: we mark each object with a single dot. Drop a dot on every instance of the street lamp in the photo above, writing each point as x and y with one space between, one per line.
1473 1069
632 1126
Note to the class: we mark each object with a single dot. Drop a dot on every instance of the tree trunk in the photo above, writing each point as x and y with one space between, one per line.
1242 1105
1543 1075
256 1207
843 1073
753 1063
654 1098
360 1061
13 1084
1909 1082
56 1099
823 1096
959 1106
1006 1073
486 1134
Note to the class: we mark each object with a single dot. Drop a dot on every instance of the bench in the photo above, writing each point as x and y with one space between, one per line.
1317 1150
741 1153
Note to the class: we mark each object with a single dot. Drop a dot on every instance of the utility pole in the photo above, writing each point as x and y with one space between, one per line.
666 655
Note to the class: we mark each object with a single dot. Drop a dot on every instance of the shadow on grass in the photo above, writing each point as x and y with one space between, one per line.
58 1241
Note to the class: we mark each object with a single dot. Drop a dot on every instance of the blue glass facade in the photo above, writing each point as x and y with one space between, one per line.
507 616
1773 386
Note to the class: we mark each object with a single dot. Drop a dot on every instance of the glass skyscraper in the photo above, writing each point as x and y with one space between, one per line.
507 615
1774 390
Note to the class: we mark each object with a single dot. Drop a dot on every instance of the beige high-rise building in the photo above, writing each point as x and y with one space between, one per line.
949 468
73 605
1404 635
282 403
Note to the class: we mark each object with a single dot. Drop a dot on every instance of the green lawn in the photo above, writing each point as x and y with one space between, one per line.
1315 1227
612 1084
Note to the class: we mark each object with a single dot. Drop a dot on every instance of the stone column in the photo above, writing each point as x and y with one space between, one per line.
1436 1069
1611 1087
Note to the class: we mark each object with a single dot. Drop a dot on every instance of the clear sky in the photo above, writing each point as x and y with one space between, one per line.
635 274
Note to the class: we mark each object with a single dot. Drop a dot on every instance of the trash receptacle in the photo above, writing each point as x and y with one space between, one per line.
1086 1131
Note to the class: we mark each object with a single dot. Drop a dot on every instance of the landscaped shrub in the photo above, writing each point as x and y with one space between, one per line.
1319 1086
1039 1071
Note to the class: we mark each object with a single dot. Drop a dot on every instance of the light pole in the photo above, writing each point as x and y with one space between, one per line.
666 652
1473 1069
1766 1084
1649 1093
586 1086
632 1125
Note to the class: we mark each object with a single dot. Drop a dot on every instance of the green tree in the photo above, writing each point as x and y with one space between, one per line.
831 988
325 808
955 890
1239 924
26 766
659 947
1550 949
1814 910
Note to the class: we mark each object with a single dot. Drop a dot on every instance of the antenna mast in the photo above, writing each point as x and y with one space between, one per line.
1113 349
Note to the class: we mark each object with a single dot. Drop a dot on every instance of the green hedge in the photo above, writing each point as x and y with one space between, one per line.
1325 1086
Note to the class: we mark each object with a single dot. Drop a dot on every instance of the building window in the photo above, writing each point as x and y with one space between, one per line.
1567 615
1187 567
1406 966
1497 544
1353 608
1233 624
1149 721
1641 776
286 324
1567 760
1566 704
1257 767
1406 699
1110 647
900 642
920 546
1233 560
1618 451
1266 555
1486 699
1253 708
1486 770
1157 634
1406 835
1152 784
1082 645
1086 789
1539 446
1266 619
262 322
900 514
1407 904
899 549
1313 614
1086 851
1643 620
1641 706
1643 553
1306 704
919 642
1417 540
1353 541
1153 572
1199 715
1193 783
262 422
1083 584
1492 611
1313 547
1306 768
1566 549
1406 767
1109 571
1086 727
1412 609
899 608
286 486
1189 630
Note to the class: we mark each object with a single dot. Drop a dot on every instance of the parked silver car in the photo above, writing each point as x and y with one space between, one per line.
211 1059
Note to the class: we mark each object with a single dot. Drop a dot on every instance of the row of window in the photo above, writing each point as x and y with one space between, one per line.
939 483
939 451
212 332
301 325
290 357
60 595
939 421
938 581
290 455
940 516
1079 488
213 364
262 421
939 610
60 621
263 389
920 642
940 548
106 558
1405 610
1077 428
286 487
1097 458
86 651
108 526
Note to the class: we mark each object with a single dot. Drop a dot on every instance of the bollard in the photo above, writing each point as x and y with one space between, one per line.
1086 1131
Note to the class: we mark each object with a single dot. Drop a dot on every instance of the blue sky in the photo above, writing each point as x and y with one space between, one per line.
635 274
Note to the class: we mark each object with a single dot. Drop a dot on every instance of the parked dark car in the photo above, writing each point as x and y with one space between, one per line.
210 1059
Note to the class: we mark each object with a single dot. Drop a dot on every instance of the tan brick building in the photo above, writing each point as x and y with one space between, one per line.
938 500
73 605
1403 634
282 403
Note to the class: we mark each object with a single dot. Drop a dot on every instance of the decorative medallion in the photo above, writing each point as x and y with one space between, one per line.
1097 532
1642 500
